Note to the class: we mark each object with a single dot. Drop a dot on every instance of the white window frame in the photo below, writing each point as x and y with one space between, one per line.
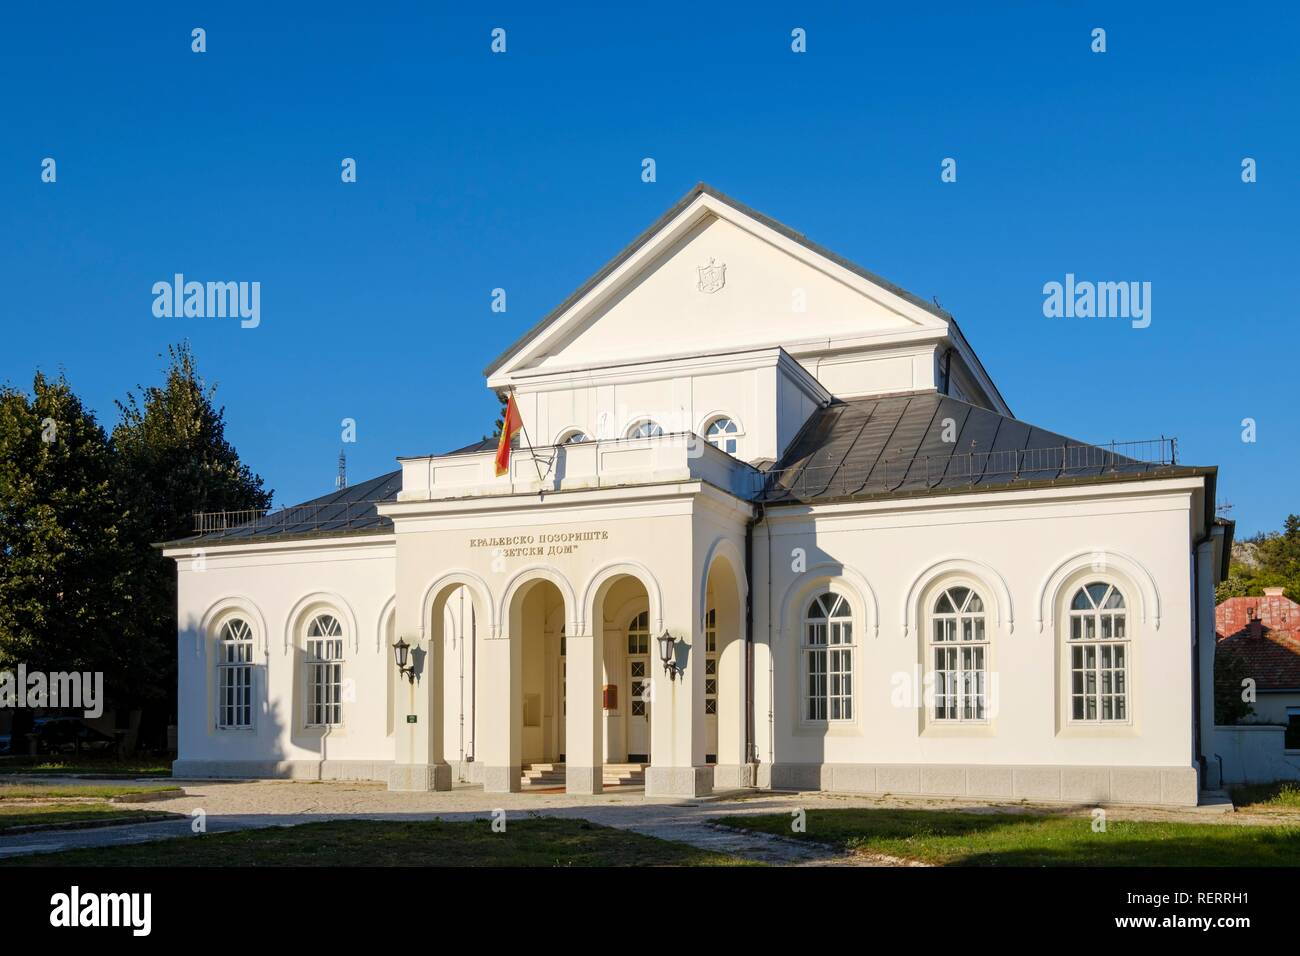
637 628
837 653
965 639
234 674
573 436
732 437
323 659
1096 627
633 430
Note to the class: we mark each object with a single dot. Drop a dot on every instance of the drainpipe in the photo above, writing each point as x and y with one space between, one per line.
460 633
1196 664
751 748
945 372
1198 572
473 682
771 662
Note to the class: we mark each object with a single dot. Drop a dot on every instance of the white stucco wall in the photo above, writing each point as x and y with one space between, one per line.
1275 706
765 392
1252 754
789 329
1009 547
277 589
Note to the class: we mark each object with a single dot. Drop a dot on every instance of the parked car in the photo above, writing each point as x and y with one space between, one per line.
61 734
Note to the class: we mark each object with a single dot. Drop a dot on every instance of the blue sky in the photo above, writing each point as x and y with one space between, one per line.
522 171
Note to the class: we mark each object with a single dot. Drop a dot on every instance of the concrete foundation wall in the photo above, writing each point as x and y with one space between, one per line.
1157 786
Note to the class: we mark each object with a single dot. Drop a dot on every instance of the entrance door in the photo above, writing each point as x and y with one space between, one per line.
711 686
638 685
564 695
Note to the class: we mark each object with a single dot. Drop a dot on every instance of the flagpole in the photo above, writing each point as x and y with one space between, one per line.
524 429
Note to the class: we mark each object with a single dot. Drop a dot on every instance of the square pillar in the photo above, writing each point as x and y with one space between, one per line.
584 722
419 763
500 747
677 732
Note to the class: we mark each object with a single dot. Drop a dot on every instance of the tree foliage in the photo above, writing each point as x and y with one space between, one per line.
1230 670
173 459
503 400
82 586
1274 561
66 586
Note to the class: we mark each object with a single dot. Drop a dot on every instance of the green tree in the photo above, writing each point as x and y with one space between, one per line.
1274 562
1229 671
173 459
66 588
503 399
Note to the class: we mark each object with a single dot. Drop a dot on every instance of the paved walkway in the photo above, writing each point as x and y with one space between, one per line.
238 805
232 806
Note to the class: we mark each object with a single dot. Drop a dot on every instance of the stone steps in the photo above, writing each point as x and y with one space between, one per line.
551 775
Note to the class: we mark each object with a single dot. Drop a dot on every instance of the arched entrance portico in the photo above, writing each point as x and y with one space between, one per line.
723 705
418 706
568 684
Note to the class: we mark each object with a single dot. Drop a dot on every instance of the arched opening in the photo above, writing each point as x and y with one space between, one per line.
624 626
428 713
537 623
724 665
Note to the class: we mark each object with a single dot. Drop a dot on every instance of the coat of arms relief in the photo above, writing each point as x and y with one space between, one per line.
712 276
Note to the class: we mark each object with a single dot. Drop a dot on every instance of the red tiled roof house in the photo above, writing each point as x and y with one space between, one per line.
1265 633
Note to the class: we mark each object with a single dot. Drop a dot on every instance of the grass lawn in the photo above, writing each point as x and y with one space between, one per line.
42 814
525 842
1005 839
38 791
1282 795
38 804
71 763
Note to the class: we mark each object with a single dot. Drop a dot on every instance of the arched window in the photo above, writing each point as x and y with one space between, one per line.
1098 644
828 658
575 437
645 429
722 433
235 675
959 652
324 671
638 651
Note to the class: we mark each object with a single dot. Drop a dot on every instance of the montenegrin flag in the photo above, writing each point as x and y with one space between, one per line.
510 426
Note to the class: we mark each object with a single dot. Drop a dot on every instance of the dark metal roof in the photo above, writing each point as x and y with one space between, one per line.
485 444
349 510
929 443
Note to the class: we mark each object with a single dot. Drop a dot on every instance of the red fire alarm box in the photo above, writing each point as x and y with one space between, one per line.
611 697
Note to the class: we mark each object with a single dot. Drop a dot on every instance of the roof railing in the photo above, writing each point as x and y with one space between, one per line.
335 516
949 470
830 480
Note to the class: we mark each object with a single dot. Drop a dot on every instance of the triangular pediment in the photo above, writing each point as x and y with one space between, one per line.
713 276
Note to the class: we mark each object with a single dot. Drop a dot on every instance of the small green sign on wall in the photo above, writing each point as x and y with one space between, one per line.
410 718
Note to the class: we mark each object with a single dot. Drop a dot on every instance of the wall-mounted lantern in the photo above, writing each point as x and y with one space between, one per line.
402 654
668 654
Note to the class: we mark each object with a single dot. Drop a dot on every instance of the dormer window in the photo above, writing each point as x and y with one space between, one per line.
722 433
645 429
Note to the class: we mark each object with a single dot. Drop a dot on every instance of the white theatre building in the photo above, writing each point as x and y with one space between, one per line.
871 576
